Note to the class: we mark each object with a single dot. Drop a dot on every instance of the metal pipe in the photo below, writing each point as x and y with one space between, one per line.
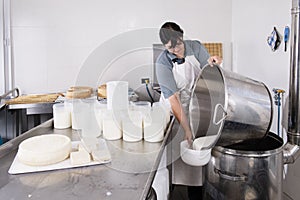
291 150
293 133
10 92
290 153
7 44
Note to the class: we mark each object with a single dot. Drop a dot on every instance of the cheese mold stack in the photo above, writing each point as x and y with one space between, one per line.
117 95
44 149
102 91
62 115
78 92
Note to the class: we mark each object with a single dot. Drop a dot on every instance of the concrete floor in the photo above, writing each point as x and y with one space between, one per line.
181 192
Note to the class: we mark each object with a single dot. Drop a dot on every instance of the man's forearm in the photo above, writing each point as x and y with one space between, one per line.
179 113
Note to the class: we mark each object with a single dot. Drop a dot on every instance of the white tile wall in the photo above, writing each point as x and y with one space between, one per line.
254 58
54 40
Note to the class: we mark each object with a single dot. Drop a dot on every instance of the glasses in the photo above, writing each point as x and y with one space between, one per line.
178 44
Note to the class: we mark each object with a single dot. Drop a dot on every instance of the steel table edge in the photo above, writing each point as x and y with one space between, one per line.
14 143
157 162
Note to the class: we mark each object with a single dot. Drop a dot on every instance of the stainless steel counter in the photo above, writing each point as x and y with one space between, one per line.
2 105
15 92
129 175
33 108
19 118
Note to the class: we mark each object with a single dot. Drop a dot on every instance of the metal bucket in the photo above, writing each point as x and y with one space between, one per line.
248 170
230 106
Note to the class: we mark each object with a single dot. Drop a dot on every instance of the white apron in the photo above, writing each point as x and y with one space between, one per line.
185 76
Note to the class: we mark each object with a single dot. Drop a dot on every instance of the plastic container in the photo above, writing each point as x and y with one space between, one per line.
204 142
194 157
142 104
85 118
61 116
160 113
76 110
100 109
132 124
154 125
117 95
112 126
144 107
90 127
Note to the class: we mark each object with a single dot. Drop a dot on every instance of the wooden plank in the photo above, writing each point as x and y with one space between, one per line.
37 98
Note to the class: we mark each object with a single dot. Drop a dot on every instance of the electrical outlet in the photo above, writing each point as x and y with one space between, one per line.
144 80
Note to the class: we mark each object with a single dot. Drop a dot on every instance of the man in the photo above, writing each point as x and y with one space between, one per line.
177 69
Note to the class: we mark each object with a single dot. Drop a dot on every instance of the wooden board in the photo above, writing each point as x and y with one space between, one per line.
36 98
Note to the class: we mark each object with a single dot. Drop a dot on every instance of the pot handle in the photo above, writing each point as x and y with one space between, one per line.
229 176
215 114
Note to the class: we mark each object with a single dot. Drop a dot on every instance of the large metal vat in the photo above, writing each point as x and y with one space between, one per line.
244 171
247 161
230 106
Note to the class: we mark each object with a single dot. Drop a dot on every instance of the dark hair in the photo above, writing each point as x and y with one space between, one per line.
170 31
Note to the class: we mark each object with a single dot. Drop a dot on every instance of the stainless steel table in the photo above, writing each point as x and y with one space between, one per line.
19 118
33 108
2 105
129 175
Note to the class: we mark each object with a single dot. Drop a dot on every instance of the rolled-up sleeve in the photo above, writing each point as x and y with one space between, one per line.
201 53
165 76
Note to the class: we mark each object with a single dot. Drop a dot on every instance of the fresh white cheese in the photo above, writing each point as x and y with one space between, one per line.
80 147
101 155
80 157
44 149
89 143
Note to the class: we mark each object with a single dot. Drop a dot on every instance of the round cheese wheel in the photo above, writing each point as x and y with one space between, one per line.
102 91
44 149
82 88
78 92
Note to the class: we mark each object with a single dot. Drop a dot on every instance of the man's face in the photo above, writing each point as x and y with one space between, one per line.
177 50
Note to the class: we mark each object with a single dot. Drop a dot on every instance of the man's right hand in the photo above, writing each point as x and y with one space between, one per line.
181 117
189 137
214 60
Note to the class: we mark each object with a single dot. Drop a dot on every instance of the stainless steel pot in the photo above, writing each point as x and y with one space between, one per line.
230 106
248 170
